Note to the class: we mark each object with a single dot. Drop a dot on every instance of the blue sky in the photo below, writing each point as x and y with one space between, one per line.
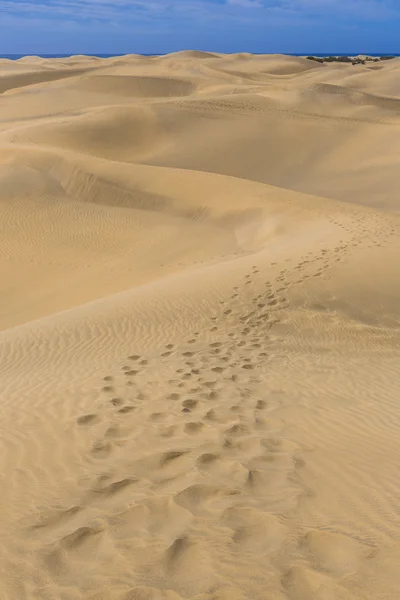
157 26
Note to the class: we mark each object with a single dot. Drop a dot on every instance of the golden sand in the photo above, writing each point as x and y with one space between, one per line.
199 346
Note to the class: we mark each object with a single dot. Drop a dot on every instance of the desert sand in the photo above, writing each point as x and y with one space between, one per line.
200 343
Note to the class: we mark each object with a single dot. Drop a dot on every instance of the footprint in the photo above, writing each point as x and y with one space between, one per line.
210 384
157 416
302 582
117 401
176 552
101 449
82 538
237 430
126 409
91 419
116 487
168 432
170 456
211 415
207 459
113 432
194 427
190 404
199 496
134 357
333 552
56 517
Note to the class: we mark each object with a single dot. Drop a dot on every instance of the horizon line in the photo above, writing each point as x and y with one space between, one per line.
77 53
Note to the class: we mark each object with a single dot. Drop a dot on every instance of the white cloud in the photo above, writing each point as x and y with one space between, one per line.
246 3
363 9
141 10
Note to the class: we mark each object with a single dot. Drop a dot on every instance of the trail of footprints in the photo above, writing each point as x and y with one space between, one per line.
225 437
231 361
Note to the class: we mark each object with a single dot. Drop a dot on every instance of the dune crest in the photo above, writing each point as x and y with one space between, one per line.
199 328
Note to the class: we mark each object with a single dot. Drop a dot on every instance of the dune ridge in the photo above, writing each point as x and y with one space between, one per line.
199 328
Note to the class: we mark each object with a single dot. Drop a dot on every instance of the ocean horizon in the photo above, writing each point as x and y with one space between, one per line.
102 55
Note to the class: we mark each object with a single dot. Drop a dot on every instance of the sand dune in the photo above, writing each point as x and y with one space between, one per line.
121 133
188 54
139 87
268 64
200 317
8 83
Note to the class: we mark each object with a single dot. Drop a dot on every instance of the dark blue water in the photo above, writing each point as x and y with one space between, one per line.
17 56
317 54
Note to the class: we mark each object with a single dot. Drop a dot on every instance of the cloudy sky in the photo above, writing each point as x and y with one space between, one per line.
157 26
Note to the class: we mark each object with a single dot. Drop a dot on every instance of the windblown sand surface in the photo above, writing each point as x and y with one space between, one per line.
200 312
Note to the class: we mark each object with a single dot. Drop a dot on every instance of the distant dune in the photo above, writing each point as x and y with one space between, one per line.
199 345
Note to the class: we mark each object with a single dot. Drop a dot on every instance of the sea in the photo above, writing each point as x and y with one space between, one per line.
316 54
17 56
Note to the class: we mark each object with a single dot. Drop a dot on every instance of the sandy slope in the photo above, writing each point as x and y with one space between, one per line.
200 349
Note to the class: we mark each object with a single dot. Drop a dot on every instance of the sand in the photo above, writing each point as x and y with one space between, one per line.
200 312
